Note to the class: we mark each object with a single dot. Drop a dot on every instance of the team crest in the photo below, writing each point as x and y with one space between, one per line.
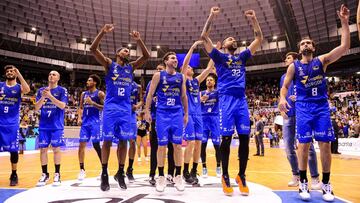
13 91
164 80
166 87
127 71
115 76
177 81
316 68
305 78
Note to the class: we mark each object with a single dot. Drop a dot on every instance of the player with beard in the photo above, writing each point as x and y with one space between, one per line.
311 106
171 116
117 105
194 130
10 101
90 110
233 109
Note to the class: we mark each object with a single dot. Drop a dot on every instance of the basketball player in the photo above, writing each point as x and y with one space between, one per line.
51 101
311 106
194 129
171 116
10 100
117 106
91 105
289 136
230 68
210 115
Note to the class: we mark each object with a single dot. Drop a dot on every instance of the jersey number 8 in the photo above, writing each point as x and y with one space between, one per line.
314 91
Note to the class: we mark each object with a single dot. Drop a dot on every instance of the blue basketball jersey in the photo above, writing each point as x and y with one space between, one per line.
192 92
310 81
231 72
51 116
291 91
10 100
135 97
169 91
91 114
118 88
211 105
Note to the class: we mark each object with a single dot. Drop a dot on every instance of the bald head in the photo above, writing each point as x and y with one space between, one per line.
54 77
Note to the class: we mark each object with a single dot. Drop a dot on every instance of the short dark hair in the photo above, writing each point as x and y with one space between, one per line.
166 56
293 54
119 49
308 38
96 79
8 67
213 76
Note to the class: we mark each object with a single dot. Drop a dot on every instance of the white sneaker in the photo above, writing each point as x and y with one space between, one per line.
316 184
304 191
218 172
139 159
82 175
179 185
160 184
169 179
294 181
204 173
43 180
328 194
147 159
57 181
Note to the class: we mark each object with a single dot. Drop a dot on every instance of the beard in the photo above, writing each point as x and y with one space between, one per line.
125 59
307 52
233 47
10 78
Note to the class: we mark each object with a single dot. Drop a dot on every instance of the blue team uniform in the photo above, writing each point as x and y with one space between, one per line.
90 127
153 104
210 117
169 112
291 91
51 125
10 100
312 107
233 107
117 105
135 98
194 128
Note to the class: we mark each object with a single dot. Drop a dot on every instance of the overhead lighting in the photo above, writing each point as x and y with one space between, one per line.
33 29
84 39
275 37
358 73
129 45
243 42
158 46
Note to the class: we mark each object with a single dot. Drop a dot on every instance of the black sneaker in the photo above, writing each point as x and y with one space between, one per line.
104 186
120 178
13 179
152 180
187 177
194 177
129 174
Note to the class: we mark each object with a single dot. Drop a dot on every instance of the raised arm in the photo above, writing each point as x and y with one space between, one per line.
257 31
283 104
94 48
154 83
146 54
339 51
205 73
186 62
184 101
206 30
24 86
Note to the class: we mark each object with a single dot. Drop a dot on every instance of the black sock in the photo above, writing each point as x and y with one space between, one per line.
225 152
326 178
203 154
243 153
186 167
121 169
217 155
82 166
194 168
13 172
131 162
57 168
161 171
44 169
204 165
177 170
303 176
104 168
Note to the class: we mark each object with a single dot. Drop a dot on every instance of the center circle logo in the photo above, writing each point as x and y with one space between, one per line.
141 191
